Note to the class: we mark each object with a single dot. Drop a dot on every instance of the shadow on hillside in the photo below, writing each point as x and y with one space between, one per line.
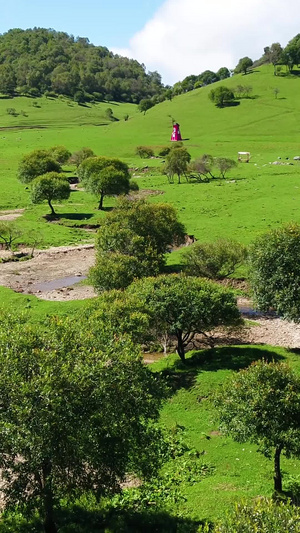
229 104
232 357
86 521
183 376
75 216
83 520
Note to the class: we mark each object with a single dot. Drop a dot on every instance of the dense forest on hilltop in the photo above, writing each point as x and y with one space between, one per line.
41 61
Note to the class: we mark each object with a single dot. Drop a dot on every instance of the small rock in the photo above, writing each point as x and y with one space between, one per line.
297 158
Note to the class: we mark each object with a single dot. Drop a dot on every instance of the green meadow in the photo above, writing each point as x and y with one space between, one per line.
251 199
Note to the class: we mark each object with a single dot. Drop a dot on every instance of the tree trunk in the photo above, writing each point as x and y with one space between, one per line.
51 207
277 476
180 346
47 495
100 206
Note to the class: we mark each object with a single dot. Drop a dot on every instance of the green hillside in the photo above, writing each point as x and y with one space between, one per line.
261 196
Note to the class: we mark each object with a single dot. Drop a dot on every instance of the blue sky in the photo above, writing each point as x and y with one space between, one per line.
108 23
175 37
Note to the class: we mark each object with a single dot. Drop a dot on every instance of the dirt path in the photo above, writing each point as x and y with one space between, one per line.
48 265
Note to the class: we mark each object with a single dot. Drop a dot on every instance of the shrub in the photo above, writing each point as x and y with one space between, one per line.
221 96
145 152
215 260
274 264
164 150
263 515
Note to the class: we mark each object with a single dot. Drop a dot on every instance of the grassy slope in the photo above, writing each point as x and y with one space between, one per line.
239 471
262 196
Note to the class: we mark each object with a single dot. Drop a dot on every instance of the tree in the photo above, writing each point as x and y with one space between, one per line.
223 73
224 164
132 241
104 176
274 271
35 164
108 182
262 404
291 53
243 65
221 96
60 154
77 408
215 260
275 55
184 306
78 157
177 163
144 105
50 186
8 82
207 77
9 234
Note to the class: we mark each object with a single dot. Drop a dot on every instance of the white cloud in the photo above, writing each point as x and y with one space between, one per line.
188 36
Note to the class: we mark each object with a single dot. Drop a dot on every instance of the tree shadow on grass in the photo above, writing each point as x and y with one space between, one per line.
68 216
124 521
183 376
77 519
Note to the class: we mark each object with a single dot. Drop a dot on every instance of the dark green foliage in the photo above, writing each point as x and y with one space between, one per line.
291 53
164 150
132 241
223 73
262 515
8 80
60 154
243 65
183 306
177 163
274 271
215 260
221 96
79 97
144 151
43 60
104 176
145 104
78 157
224 164
49 187
35 164
78 407
262 404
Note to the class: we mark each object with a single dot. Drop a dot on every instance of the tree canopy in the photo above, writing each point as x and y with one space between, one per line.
49 187
39 60
274 271
35 164
183 306
132 241
77 413
177 163
243 65
103 176
262 404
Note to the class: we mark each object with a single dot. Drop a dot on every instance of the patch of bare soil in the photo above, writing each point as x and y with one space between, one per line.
11 214
59 263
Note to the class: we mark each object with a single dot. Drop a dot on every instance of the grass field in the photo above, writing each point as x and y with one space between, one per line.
237 471
261 196
254 198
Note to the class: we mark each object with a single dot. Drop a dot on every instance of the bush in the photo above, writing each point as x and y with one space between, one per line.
164 150
215 260
221 96
274 264
263 515
145 152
